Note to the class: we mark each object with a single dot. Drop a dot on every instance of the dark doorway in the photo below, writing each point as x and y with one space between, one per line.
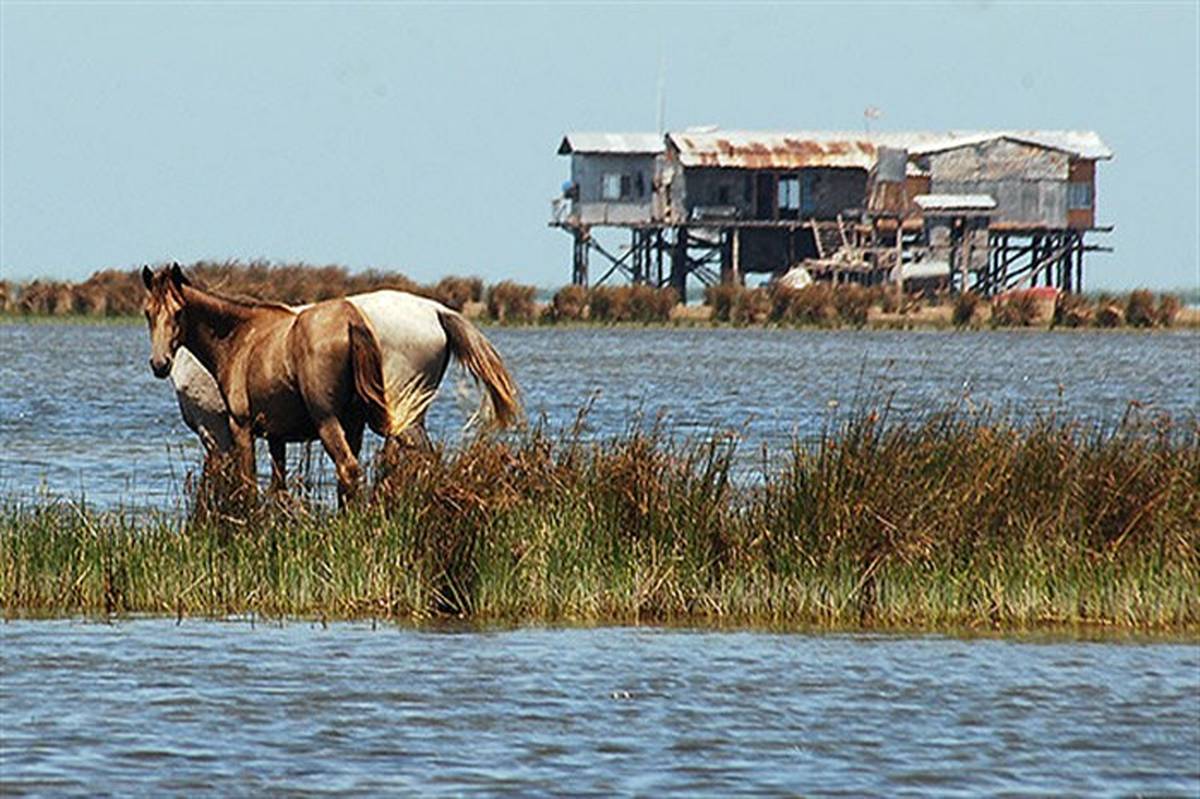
764 196
804 245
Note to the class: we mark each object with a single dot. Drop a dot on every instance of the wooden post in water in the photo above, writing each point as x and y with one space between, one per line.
679 264
736 257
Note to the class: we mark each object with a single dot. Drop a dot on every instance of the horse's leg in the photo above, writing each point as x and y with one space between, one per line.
423 442
414 437
278 449
333 438
354 434
243 448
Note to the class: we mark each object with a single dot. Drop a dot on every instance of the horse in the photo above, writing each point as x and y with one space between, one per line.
322 371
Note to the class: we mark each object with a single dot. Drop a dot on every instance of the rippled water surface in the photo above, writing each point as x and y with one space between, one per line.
80 412
151 708
146 707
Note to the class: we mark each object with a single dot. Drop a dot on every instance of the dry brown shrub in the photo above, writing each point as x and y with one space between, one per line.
966 306
509 302
854 302
751 307
458 496
1169 306
1108 312
374 280
609 304
570 304
112 292
891 298
1139 309
649 304
1073 310
455 292
721 298
1015 309
118 292
47 298
219 496
812 305
296 284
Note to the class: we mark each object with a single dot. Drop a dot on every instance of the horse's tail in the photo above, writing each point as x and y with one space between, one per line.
480 358
391 408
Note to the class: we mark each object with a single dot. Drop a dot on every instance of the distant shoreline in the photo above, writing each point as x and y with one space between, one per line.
937 319
115 296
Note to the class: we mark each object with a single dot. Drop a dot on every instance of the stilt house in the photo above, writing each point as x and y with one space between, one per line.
982 210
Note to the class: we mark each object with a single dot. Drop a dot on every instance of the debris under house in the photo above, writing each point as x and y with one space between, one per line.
985 211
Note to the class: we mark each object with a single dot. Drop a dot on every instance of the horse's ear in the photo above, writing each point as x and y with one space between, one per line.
147 277
177 275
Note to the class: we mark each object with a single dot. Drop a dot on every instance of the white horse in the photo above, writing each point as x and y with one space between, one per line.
417 337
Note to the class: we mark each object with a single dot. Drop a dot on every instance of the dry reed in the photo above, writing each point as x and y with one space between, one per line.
957 521
118 293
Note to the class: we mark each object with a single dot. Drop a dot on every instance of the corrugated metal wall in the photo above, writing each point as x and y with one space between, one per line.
1029 183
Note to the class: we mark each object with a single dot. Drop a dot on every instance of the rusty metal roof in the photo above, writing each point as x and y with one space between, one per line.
1079 143
842 149
754 150
614 143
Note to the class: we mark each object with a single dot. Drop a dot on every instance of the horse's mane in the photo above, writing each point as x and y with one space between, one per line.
242 300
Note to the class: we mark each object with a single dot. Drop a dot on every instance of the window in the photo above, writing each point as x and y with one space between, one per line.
789 193
610 186
1079 195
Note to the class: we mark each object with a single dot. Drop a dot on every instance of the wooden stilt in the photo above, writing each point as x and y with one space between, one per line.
679 264
579 268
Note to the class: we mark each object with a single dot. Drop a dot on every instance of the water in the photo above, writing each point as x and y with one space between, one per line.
80 413
146 707
207 708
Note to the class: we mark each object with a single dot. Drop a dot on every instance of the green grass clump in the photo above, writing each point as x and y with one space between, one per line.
958 521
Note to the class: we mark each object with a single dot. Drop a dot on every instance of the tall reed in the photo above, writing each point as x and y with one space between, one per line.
958 521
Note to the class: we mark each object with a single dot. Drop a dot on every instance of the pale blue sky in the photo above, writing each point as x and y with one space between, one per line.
422 138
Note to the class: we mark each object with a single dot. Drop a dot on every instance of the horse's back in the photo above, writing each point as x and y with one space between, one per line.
409 332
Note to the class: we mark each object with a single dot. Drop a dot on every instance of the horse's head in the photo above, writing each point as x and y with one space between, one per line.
164 314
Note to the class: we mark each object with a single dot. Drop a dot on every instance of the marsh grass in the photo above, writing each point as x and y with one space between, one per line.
959 521
117 294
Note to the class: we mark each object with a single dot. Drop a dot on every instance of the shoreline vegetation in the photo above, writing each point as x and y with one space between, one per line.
117 295
961 522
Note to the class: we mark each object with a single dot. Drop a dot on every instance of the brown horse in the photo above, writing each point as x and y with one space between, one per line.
299 374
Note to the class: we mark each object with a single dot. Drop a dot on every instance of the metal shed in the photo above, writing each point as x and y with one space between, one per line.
612 178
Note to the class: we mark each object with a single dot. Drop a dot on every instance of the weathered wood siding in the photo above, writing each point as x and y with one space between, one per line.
591 207
1029 183
714 187
832 190
835 190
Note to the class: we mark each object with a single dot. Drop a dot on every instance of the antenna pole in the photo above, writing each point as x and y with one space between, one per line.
662 91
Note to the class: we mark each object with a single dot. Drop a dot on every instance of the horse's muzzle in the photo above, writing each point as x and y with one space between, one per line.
160 368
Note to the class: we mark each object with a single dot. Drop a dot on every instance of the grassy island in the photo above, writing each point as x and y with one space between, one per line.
960 521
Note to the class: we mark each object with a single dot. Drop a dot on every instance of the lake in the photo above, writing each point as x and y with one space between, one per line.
226 708
216 708
81 415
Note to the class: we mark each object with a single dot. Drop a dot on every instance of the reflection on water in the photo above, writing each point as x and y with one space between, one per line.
80 412
151 708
